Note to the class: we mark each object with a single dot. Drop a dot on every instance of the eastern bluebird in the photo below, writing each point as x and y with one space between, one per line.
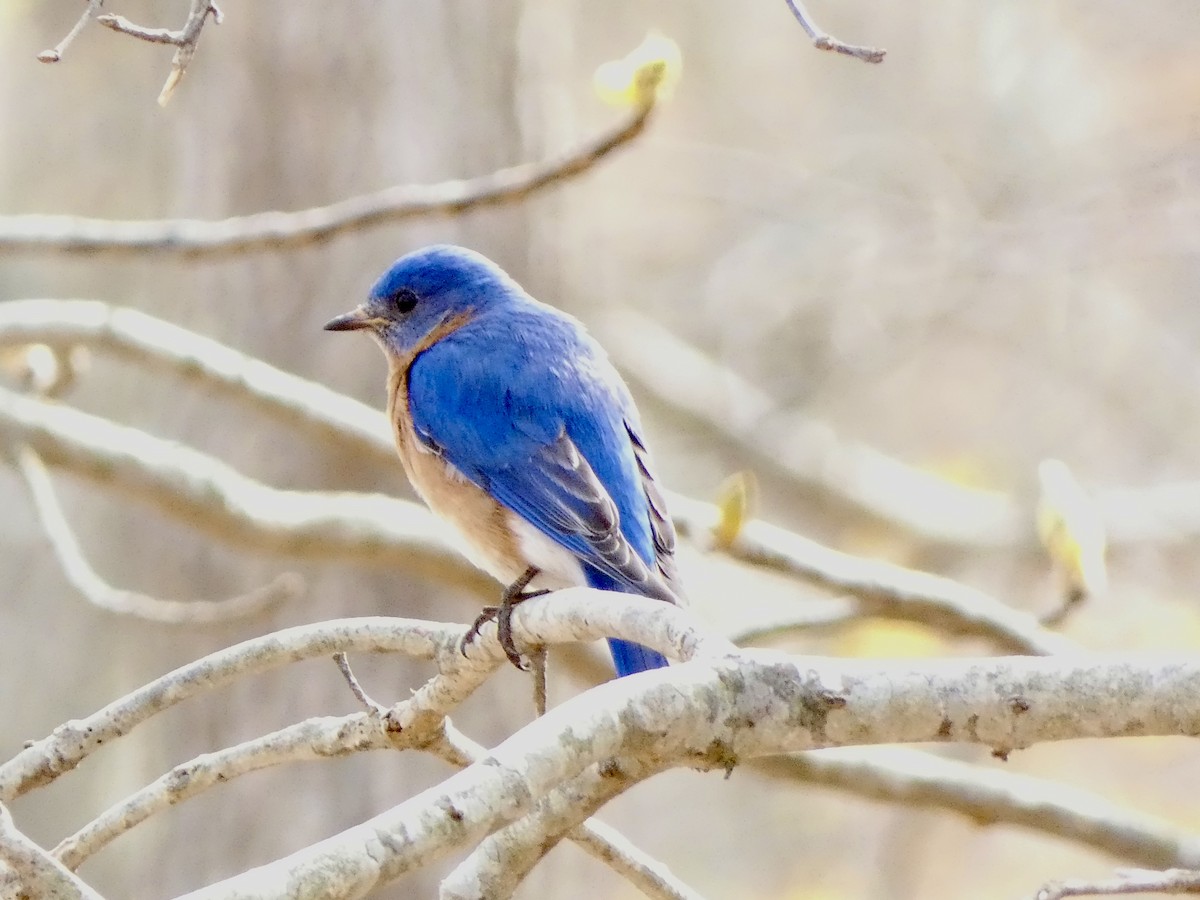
513 426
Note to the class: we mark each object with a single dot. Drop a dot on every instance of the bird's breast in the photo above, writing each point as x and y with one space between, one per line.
494 538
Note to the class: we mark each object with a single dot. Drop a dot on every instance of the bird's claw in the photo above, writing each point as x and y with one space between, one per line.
502 615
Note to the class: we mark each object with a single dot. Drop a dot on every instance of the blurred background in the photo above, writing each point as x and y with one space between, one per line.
983 252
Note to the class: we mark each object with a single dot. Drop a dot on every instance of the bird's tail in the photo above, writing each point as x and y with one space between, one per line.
628 657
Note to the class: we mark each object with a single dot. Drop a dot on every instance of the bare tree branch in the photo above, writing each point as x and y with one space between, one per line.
495 868
217 499
160 345
1172 881
722 710
992 796
103 595
53 56
196 238
39 875
881 588
649 875
823 41
184 40
858 477
214 494
606 844
322 738
310 740
43 761
570 616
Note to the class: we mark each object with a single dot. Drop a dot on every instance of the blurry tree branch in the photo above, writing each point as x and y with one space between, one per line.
99 593
184 40
824 41
55 54
197 238
858 477
990 796
221 501
233 507
1135 881
880 588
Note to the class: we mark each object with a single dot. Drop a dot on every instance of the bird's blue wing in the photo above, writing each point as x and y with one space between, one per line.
529 412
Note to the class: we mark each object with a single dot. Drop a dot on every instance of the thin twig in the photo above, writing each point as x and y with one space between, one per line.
1135 881
195 238
311 740
53 56
186 49
824 41
151 35
537 670
374 708
101 594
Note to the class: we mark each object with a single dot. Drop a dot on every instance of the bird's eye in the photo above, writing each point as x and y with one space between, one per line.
404 300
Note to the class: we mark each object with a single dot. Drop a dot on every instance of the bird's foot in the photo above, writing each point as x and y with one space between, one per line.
502 615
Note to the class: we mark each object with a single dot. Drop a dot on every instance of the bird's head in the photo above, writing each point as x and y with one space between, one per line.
424 291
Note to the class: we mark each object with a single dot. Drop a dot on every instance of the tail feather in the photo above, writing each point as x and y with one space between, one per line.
628 657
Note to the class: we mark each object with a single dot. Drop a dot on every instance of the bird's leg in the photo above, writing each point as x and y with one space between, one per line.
511 596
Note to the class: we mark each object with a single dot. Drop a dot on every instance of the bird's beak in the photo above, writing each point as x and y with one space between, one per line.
352 321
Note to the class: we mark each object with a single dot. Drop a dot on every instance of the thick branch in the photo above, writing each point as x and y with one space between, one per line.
572 615
39 875
216 498
606 844
495 868
195 238
160 345
717 712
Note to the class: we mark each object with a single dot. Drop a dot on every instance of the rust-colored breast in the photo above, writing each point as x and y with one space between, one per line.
481 522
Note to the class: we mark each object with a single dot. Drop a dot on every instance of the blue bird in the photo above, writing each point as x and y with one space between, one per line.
514 427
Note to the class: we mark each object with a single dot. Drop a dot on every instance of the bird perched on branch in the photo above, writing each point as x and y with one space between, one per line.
514 427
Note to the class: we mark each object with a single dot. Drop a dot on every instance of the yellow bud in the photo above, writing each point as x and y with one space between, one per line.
736 498
647 74
1071 529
